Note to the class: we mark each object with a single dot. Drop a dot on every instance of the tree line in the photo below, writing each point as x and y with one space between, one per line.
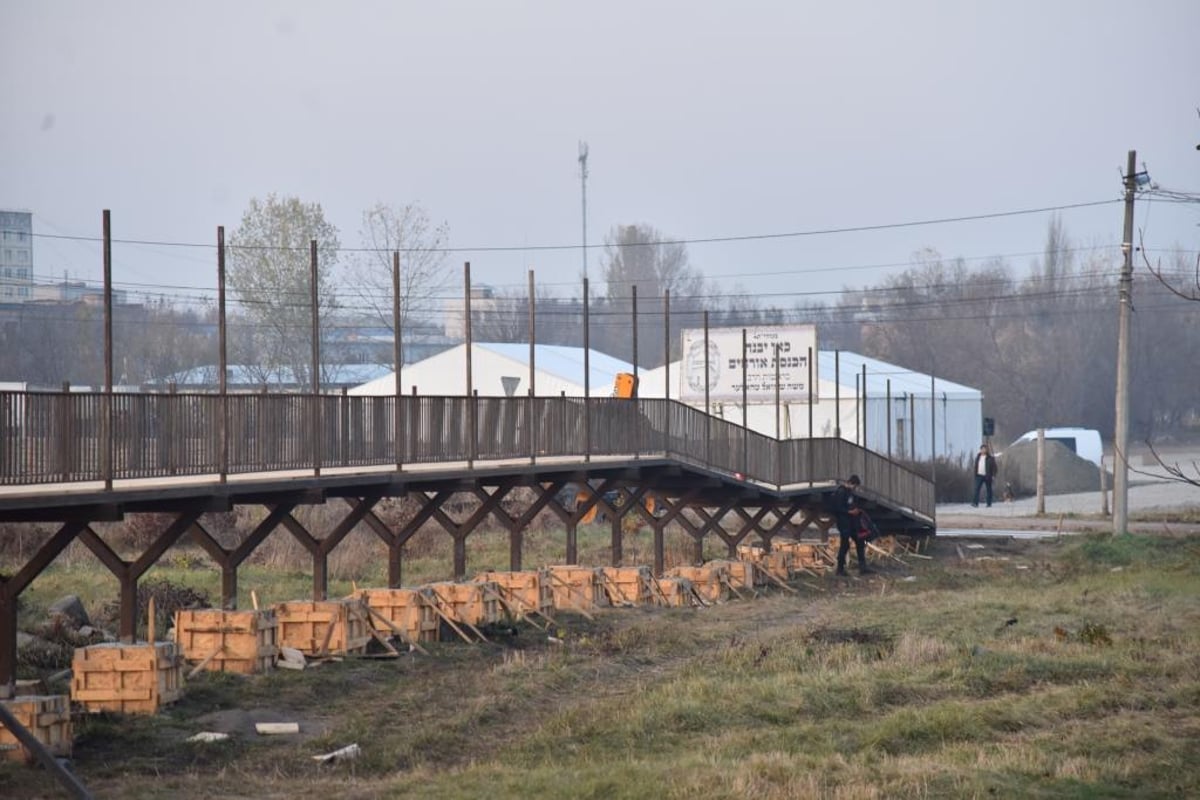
1040 346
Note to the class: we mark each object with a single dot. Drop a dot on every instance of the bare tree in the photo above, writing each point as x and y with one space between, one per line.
423 270
641 256
269 273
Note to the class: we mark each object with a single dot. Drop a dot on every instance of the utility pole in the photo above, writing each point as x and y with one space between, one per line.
583 176
1125 308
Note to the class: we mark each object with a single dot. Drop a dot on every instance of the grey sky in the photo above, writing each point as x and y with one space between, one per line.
704 120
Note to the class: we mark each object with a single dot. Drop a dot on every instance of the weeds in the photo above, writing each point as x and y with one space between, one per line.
929 693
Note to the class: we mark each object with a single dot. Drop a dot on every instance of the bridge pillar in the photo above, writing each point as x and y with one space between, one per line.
229 586
8 643
460 557
659 556
516 541
572 541
127 616
617 553
395 563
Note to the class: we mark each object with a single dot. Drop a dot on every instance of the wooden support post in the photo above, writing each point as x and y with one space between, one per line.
8 643
572 542
659 549
515 542
617 554
460 557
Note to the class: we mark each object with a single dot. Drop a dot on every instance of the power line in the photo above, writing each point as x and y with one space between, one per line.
568 247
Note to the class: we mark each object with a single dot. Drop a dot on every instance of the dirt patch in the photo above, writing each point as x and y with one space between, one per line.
241 722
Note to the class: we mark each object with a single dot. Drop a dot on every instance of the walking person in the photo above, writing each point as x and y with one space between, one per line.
846 512
985 473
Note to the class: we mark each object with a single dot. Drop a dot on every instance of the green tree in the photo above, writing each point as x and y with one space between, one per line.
269 274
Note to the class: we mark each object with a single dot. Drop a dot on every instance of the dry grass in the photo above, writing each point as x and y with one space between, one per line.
980 678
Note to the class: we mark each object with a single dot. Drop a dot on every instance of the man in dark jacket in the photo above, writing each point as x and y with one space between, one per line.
846 511
985 473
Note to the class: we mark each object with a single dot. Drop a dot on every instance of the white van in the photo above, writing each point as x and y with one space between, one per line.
1083 442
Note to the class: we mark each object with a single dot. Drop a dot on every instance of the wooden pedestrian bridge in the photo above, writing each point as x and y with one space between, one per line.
78 458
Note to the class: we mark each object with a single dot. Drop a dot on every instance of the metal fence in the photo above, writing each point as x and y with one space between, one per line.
58 437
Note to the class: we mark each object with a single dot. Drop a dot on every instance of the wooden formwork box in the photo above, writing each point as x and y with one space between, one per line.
410 610
743 575
323 627
528 591
128 678
674 592
775 564
576 587
476 603
243 642
802 555
628 586
706 580
47 717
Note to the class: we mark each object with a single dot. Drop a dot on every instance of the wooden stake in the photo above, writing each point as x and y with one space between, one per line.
204 662
254 599
449 621
374 633
150 620
572 590
778 582
324 650
396 630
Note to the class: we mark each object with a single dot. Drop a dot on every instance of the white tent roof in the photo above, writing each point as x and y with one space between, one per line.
499 369
904 381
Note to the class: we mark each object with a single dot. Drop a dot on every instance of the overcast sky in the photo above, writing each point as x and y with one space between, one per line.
704 120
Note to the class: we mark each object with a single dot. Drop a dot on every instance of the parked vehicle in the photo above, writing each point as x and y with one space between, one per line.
1083 442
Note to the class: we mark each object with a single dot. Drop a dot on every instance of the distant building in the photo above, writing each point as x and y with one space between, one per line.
68 291
16 256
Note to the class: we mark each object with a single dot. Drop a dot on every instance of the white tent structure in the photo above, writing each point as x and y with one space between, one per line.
950 424
502 369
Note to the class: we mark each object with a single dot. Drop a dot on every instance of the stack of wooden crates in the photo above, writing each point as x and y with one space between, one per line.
47 717
127 678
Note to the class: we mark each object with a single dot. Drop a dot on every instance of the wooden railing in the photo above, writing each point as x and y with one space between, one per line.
56 437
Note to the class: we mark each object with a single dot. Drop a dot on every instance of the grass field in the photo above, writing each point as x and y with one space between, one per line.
1064 668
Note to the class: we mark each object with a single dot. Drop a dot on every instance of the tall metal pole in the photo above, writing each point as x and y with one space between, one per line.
583 176
532 340
222 356
864 405
397 360
932 428
778 431
745 399
707 406
1124 307
316 355
587 376
107 445
635 336
533 444
889 418
667 344
837 394
470 379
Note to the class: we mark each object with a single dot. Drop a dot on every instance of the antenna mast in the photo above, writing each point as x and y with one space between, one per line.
583 176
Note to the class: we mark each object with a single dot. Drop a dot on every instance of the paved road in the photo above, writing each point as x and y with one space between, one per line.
1150 491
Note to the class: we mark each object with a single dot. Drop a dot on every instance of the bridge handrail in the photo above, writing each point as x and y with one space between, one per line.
60 437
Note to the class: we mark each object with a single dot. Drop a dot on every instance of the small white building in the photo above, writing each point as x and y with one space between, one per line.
955 416
502 369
